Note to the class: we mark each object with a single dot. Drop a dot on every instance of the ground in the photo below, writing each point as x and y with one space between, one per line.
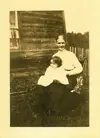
24 74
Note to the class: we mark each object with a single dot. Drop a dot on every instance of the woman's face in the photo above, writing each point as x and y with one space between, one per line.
61 45
53 64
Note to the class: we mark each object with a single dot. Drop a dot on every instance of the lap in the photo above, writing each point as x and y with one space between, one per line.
56 97
61 99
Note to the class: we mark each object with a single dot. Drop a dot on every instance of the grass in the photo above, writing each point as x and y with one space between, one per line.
24 75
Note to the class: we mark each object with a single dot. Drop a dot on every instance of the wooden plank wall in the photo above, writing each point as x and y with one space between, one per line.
38 29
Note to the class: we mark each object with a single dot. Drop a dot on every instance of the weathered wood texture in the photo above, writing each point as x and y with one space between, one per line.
79 52
38 29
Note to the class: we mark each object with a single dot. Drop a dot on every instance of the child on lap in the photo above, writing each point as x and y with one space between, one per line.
54 72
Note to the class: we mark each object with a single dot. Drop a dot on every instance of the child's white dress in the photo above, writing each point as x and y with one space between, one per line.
52 74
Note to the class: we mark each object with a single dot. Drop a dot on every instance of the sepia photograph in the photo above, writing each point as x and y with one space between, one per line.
49 70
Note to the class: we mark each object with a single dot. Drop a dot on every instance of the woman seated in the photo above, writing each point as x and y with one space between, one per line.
52 92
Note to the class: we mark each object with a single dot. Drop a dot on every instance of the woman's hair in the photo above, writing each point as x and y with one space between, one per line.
57 60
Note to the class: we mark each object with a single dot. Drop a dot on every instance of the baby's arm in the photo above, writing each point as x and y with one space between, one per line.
46 79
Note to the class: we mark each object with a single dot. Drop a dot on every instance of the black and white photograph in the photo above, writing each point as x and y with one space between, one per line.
49 70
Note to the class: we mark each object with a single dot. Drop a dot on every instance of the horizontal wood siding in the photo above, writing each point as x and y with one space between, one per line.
39 29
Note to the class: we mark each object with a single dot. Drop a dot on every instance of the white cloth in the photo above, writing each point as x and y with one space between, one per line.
69 62
52 74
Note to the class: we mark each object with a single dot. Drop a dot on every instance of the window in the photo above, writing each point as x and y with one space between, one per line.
14 32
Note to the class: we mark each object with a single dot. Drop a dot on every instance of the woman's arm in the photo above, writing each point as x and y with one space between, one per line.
77 66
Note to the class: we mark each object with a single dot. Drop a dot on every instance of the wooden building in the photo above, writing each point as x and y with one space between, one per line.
35 30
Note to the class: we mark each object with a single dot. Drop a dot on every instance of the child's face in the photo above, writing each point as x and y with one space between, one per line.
53 64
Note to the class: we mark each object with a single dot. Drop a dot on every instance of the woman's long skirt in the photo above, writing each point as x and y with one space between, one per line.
61 99
56 98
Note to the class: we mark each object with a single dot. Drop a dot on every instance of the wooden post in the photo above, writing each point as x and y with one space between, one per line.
16 19
75 50
70 48
82 52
